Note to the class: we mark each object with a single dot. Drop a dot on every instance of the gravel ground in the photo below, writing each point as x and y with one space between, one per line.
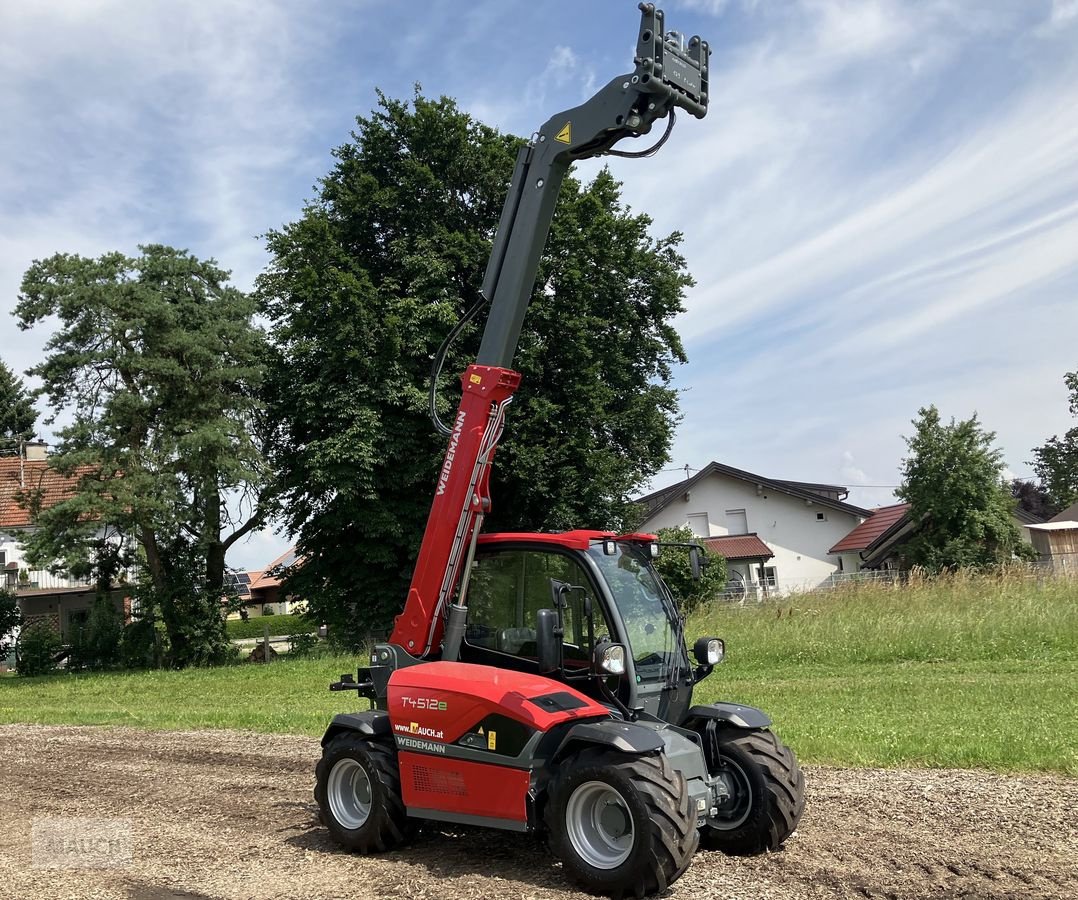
230 815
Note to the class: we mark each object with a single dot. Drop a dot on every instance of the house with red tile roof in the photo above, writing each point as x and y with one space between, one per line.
871 544
876 544
28 484
776 534
260 589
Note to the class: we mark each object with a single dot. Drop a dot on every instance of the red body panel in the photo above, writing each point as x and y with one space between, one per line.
461 786
469 694
433 705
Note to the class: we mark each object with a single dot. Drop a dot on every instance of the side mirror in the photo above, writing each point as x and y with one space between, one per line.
694 563
548 640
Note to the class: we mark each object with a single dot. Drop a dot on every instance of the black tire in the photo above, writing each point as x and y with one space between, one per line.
385 824
654 810
767 794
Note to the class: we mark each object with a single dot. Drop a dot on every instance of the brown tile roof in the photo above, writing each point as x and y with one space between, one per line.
271 575
255 575
872 529
21 477
739 546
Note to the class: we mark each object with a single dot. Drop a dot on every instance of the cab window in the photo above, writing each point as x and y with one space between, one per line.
508 588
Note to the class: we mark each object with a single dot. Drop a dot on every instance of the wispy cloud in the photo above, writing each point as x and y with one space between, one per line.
881 208
885 184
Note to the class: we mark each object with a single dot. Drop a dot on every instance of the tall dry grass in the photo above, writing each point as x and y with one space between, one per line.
1015 614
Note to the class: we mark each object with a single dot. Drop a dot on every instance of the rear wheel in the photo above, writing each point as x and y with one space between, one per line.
766 794
358 793
621 824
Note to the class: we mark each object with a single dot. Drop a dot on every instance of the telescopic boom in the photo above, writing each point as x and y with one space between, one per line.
667 74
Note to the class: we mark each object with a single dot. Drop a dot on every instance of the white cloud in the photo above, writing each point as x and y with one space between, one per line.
881 208
881 211
1064 12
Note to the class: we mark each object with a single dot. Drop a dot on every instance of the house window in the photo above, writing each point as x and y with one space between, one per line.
840 563
698 523
766 575
821 517
736 522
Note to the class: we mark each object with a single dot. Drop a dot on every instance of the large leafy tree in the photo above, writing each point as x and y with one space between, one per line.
17 413
953 481
1056 463
361 291
154 366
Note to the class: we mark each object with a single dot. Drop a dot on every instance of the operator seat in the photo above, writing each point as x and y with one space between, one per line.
511 640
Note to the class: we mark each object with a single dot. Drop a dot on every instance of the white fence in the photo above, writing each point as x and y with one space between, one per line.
786 587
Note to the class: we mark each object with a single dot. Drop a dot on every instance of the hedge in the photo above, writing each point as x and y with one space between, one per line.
255 626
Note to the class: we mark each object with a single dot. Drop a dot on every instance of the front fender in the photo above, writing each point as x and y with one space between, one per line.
626 737
371 722
732 714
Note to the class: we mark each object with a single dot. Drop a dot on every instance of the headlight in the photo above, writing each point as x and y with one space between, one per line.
709 651
611 659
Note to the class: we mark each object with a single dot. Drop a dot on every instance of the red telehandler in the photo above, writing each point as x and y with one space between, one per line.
541 682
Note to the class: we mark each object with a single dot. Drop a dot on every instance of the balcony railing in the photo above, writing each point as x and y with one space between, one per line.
44 580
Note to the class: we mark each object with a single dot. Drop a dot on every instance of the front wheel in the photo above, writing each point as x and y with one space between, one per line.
358 792
621 824
766 794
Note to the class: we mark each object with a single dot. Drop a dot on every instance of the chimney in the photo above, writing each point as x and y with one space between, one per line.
35 450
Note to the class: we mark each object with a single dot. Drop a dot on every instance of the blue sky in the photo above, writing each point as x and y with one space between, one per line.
880 210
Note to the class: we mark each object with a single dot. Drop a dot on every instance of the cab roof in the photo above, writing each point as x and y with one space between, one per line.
579 539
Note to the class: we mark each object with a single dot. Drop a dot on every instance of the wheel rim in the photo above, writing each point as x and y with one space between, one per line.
349 793
599 825
738 804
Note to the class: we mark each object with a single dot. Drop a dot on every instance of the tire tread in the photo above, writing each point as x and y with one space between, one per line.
674 837
391 825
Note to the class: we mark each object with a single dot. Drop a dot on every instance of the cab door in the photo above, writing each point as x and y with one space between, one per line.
509 584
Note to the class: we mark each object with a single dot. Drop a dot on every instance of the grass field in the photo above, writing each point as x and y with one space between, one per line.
961 672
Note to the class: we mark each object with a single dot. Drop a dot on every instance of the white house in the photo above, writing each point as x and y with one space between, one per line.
794 524
60 600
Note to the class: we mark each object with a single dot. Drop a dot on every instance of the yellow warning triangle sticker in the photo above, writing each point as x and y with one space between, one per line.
566 134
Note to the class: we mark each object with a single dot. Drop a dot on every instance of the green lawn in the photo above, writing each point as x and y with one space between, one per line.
965 672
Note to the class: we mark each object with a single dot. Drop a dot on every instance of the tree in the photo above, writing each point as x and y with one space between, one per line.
17 413
95 644
10 619
157 363
361 291
674 567
1033 499
953 481
1056 463
37 649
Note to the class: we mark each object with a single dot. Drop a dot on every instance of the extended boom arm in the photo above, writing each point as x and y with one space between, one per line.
667 75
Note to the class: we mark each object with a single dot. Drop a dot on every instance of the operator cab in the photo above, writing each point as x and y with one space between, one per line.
603 590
